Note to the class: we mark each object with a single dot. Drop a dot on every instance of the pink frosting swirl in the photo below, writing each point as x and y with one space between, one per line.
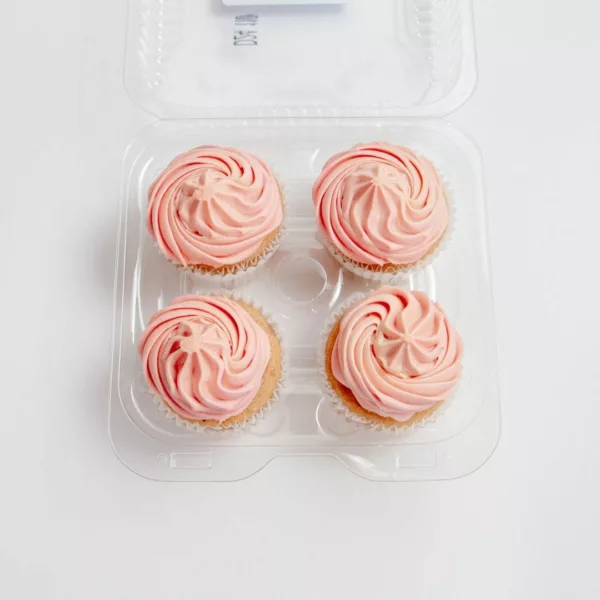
213 206
205 356
397 353
381 204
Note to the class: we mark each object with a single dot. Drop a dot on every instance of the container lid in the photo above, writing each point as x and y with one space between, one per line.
270 58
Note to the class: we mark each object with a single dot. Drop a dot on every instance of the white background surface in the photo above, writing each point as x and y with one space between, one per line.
74 523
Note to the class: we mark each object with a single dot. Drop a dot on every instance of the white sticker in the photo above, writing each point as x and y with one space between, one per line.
279 2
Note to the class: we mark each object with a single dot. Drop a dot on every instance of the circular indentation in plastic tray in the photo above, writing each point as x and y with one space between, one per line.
301 278
333 422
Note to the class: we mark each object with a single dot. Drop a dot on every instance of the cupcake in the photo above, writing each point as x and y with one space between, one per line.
216 210
392 358
213 361
381 209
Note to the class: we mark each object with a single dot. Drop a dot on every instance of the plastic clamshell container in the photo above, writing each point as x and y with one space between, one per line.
184 62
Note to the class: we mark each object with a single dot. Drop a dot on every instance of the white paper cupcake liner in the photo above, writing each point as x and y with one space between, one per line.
195 426
338 403
394 274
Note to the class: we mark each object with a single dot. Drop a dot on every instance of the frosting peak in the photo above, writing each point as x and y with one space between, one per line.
381 204
397 353
213 206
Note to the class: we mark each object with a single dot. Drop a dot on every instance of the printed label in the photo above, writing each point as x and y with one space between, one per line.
245 30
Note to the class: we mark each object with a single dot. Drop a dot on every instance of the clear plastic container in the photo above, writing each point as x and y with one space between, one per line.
291 123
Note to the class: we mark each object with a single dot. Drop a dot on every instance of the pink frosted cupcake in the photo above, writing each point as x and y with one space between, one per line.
392 358
212 361
381 209
216 210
